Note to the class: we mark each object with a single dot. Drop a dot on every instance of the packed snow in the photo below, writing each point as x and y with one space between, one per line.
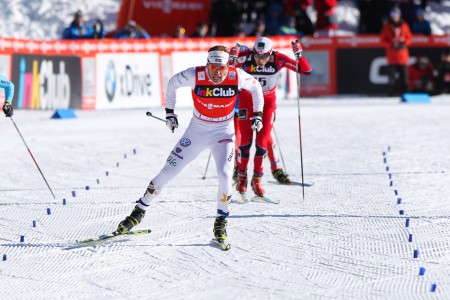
346 240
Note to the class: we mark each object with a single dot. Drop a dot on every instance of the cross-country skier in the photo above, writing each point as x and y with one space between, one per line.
264 64
214 91
9 94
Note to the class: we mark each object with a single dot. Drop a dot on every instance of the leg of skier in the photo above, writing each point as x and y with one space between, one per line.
188 148
245 128
261 146
223 153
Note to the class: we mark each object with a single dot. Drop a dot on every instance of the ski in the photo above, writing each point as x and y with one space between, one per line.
296 183
222 244
111 236
264 199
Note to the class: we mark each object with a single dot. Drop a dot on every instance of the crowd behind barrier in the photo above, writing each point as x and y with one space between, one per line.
113 73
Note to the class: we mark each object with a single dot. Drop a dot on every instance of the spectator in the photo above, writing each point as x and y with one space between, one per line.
304 24
275 18
201 30
132 31
99 30
260 29
443 73
420 25
289 27
421 76
396 37
78 29
180 32
326 19
408 10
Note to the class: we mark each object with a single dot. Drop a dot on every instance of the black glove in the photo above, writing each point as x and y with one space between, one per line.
257 121
8 109
171 119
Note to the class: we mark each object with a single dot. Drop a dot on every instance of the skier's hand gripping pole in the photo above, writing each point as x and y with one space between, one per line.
171 119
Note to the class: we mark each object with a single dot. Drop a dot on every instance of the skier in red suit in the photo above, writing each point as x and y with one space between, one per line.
263 63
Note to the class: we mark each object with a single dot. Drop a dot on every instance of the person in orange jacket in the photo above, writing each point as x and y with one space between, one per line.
396 37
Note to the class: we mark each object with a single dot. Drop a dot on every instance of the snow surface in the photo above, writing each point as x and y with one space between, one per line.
346 240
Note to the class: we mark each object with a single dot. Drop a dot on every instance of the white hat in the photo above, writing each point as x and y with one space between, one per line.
263 46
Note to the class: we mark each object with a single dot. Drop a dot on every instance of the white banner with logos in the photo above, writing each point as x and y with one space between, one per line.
128 80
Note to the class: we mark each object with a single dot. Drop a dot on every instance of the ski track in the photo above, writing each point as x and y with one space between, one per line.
345 240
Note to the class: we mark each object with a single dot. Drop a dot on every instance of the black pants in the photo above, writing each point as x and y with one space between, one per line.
398 76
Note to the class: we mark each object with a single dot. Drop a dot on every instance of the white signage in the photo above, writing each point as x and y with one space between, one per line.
128 80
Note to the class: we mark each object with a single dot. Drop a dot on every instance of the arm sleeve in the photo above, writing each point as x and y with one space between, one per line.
182 79
249 83
9 88
304 67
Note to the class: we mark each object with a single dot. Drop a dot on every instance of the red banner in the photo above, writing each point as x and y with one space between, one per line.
160 18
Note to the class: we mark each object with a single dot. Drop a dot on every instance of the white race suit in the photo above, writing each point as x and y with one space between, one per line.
211 127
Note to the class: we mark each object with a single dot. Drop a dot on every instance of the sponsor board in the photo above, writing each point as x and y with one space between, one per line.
47 82
370 75
129 80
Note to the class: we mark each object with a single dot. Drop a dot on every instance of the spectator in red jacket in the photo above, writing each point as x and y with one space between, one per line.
421 76
396 37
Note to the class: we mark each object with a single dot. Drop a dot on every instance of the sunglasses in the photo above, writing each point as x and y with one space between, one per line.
214 68
261 56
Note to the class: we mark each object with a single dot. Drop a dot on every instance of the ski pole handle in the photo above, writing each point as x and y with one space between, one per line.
149 114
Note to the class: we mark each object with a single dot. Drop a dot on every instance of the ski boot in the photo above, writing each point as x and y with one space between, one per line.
241 185
220 229
132 220
281 177
256 186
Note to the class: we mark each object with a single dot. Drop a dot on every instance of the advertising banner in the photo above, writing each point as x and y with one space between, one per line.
128 80
47 82
5 68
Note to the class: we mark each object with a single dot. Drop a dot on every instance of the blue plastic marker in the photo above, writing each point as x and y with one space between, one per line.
410 238
98 181
4 257
49 212
433 287
396 192
22 239
399 200
134 151
107 173
407 222
87 188
125 156
421 271
64 201
416 253
402 212
391 184
34 223
74 194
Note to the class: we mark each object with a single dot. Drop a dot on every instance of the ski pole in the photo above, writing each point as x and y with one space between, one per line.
300 125
207 164
31 154
149 114
281 153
